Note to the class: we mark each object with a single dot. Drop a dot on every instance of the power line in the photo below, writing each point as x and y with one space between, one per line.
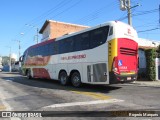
138 14
148 30
146 12
68 8
124 17
45 14
58 7
94 15
50 11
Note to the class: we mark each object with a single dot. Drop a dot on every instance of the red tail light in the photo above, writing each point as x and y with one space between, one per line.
115 65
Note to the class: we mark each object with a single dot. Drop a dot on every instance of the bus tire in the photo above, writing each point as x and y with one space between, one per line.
29 74
76 79
63 78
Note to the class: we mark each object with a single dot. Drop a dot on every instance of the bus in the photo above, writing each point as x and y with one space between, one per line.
104 54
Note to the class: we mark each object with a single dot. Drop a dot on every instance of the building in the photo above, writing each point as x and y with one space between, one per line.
144 44
54 29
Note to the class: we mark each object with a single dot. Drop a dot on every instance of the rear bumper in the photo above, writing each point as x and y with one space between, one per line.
114 78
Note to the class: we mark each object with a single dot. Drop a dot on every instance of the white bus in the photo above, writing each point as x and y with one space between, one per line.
105 54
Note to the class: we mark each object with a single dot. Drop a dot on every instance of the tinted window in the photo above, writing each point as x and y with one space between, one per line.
99 36
69 44
77 45
45 50
111 31
78 42
66 45
82 41
31 52
55 47
85 38
50 49
61 46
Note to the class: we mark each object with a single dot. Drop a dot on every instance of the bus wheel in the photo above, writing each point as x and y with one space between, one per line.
63 78
29 74
76 79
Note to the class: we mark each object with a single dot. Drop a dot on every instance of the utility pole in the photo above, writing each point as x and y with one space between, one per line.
10 62
37 31
37 34
19 51
19 47
126 5
129 12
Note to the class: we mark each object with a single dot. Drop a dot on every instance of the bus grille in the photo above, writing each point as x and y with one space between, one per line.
128 51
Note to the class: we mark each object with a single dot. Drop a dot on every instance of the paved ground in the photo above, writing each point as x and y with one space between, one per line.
17 93
148 83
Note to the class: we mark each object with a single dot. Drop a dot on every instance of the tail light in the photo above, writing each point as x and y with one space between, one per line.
115 65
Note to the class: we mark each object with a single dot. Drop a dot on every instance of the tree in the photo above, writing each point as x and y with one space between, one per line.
158 52
150 59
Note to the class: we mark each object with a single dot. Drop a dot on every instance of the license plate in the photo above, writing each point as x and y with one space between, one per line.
128 78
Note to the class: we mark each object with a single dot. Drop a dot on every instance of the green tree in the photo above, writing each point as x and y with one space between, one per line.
150 59
158 52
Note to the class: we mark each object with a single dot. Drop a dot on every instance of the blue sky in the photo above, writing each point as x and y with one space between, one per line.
15 14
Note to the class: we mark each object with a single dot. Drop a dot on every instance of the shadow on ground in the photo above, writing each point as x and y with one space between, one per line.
53 84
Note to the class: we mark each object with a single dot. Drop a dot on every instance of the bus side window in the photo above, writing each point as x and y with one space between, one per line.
30 52
69 45
56 48
62 46
77 45
85 39
82 42
50 49
99 36
42 51
38 51
111 30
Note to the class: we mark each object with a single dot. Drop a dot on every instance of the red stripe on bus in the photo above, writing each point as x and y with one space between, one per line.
40 73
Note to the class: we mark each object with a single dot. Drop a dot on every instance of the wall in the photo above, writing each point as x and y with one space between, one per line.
142 61
46 34
147 43
59 29
56 29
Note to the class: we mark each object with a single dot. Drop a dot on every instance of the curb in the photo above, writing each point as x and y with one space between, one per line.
148 83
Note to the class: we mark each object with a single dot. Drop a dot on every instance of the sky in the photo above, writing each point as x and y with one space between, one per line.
20 18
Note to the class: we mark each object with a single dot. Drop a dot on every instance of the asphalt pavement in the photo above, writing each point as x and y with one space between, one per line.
17 93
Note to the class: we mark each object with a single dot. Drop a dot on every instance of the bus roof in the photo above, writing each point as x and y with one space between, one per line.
112 23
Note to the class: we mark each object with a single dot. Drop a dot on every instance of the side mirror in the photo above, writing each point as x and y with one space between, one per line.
21 58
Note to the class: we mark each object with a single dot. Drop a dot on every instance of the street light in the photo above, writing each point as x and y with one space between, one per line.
19 45
20 52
